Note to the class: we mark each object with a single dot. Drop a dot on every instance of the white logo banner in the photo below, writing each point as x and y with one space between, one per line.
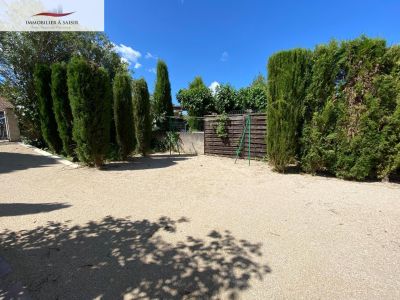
51 15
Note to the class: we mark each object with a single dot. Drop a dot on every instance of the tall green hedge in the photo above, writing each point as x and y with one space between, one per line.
89 90
162 96
42 79
288 75
123 113
352 113
141 111
61 106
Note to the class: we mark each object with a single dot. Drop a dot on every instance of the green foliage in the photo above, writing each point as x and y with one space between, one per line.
141 115
173 141
225 99
42 79
61 106
253 97
352 119
123 113
21 51
221 128
197 100
319 141
90 95
162 96
287 81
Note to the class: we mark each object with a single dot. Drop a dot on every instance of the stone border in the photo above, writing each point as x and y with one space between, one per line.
48 154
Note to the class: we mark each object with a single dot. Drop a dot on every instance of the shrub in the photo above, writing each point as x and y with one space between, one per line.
351 117
222 124
173 141
141 111
225 99
42 79
89 90
62 108
287 81
197 99
123 113
162 96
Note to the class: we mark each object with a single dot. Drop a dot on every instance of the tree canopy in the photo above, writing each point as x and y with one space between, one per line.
20 52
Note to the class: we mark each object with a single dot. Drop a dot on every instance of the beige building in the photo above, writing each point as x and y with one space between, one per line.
9 129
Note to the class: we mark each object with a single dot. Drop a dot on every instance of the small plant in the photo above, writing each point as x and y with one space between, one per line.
221 128
173 141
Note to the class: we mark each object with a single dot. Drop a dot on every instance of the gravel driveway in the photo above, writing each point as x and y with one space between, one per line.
194 227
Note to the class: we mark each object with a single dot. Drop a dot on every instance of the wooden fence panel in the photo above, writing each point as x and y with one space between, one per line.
214 145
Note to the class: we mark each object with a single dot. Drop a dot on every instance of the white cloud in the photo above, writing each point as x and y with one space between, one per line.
224 56
152 70
213 87
149 55
128 55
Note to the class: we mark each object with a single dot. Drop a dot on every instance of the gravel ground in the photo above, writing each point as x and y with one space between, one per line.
194 227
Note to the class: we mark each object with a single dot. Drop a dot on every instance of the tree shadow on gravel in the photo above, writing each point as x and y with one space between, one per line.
114 258
11 162
19 209
145 163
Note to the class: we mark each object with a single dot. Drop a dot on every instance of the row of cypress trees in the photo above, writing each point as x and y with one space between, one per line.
77 104
336 109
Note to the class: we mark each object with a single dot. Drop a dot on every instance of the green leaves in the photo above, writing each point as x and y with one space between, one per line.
90 95
287 82
20 52
197 99
61 106
141 110
162 96
123 113
350 114
42 80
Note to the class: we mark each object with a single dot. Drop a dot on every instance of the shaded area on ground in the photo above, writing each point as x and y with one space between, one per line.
19 209
114 257
147 162
12 161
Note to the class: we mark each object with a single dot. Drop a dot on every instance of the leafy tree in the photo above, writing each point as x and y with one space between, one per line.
61 106
21 51
352 113
225 98
254 96
319 137
287 82
123 113
162 96
89 90
42 79
141 111
197 100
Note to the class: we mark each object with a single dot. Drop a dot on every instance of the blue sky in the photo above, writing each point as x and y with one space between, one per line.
230 41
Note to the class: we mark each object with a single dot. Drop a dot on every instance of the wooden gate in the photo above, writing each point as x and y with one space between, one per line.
215 145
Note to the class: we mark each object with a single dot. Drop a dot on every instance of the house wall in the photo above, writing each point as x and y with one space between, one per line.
12 125
192 142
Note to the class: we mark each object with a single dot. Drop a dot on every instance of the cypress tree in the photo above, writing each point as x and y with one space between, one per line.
287 81
90 95
42 79
162 96
61 106
141 115
123 113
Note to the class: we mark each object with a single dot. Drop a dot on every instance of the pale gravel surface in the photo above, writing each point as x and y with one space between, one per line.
322 238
